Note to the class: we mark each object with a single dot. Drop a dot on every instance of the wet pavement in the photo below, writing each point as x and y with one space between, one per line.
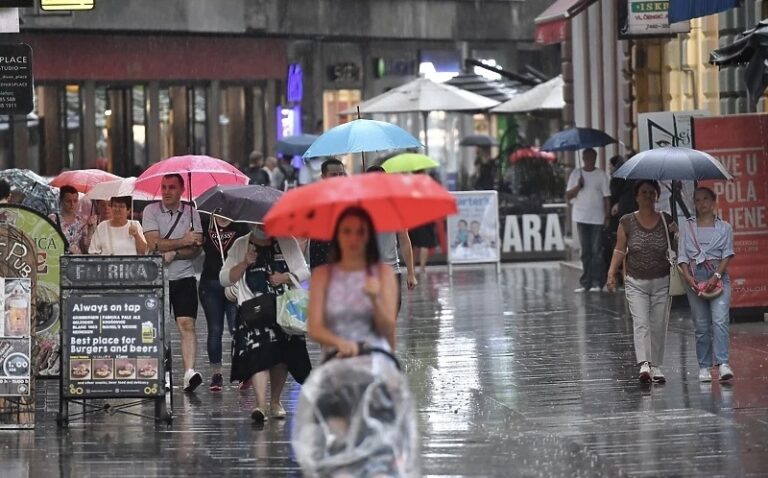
514 376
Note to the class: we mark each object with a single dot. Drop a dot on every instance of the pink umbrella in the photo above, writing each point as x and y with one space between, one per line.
200 174
82 179
532 152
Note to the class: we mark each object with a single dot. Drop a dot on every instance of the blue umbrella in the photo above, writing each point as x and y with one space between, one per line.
574 139
295 145
672 163
361 136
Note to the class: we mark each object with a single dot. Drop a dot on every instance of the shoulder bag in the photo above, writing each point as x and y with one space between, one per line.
676 283
702 286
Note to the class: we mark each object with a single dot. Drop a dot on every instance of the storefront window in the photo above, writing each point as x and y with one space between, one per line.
336 101
71 123
197 119
139 128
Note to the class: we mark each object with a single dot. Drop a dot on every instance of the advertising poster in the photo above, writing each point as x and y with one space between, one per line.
473 233
113 347
741 145
31 247
15 340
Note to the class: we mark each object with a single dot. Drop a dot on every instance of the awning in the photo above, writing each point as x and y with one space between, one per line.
682 10
551 24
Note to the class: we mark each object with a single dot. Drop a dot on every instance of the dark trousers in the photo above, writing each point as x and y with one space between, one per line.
592 263
216 308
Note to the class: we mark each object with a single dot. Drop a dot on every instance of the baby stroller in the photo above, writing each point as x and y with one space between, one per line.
356 418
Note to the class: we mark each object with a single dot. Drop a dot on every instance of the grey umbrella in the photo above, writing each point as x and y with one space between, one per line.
672 163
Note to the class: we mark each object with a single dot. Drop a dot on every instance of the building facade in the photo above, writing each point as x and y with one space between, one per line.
130 83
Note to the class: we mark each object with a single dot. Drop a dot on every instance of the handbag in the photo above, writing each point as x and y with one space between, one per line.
676 283
293 309
258 312
701 286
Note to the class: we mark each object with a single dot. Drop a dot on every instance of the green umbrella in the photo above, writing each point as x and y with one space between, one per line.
408 163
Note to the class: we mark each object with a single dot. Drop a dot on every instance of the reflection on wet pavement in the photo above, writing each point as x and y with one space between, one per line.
514 376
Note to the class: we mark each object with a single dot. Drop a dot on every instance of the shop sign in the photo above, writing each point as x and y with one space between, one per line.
295 83
345 72
16 83
643 18
15 336
66 5
738 142
387 67
532 233
473 233
31 248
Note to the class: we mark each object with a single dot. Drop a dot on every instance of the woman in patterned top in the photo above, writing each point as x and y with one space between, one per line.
76 229
642 240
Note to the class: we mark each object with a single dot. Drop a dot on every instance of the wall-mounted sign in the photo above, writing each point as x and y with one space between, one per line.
386 67
295 83
50 5
16 79
288 121
644 18
345 72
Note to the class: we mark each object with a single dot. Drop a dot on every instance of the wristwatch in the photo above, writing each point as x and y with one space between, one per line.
718 275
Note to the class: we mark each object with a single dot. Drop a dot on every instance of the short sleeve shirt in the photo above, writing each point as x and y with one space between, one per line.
588 207
157 218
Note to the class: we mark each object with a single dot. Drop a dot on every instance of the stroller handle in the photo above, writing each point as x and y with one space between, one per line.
365 349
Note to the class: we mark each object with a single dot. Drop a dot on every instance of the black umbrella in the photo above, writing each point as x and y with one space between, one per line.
239 203
575 139
751 49
478 140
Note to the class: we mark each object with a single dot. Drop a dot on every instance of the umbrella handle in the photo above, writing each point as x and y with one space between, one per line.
191 205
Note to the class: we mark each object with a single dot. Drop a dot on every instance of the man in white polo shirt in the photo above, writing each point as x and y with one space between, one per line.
174 229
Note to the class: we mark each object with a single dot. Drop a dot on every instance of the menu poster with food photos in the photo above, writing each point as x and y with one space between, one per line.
15 340
113 348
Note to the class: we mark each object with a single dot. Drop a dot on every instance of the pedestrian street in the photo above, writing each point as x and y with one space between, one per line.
514 375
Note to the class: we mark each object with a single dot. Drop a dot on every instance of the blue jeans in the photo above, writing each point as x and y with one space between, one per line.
710 320
216 307
592 264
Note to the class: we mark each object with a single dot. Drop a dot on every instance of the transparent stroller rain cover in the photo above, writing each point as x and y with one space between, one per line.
356 418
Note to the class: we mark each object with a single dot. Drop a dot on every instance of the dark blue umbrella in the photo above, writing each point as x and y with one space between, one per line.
575 139
295 145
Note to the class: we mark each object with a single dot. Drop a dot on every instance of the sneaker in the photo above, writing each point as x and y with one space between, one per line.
245 384
217 382
725 372
704 375
579 290
192 380
258 415
278 411
595 289
657 375
645 372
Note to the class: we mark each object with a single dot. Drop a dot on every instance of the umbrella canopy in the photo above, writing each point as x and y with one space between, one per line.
546 96
751 49
532 152
478 140
117 188
361 136
38 194
672 163
423 95
408 163
394 201
236 203
574 139
200 174
295 145
82 179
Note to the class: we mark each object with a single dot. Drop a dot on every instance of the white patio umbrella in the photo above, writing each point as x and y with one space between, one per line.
117 188
424 96
546 96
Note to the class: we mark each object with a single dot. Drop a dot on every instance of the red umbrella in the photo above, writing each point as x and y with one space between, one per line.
532 152
82 179
200 174
394 201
